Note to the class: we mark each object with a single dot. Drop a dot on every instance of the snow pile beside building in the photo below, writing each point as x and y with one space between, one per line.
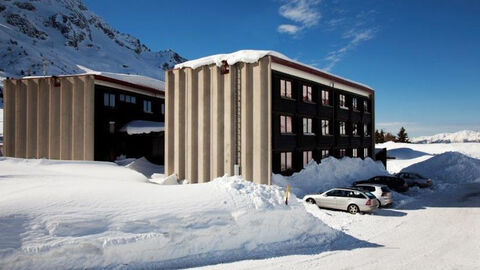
456 137
331 172
57 214
449 167
142 127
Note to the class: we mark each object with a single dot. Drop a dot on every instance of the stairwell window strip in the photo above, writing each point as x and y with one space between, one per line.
285 124
285 89
285 161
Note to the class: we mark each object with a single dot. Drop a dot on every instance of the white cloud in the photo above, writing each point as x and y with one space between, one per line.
288 29
303 12
355 37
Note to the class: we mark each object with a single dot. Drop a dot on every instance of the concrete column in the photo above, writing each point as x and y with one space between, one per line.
78 118
247 119
260 122
9 118
179 123
229 120
20 119
31 128
66 119
169 123
217 116
43 124
203 125
54 120
89 118
192 125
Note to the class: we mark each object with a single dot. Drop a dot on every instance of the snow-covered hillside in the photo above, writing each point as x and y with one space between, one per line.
457 137
58 35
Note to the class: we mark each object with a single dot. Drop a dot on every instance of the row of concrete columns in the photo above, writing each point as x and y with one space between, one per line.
49 118
200 141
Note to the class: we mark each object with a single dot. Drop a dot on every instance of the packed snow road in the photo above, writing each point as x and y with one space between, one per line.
435 230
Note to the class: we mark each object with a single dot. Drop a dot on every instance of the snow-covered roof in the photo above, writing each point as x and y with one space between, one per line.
252 56
142 127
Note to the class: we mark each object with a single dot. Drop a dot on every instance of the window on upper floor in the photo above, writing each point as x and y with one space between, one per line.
342 152
365 106
285 161
307 126
355 129
354 152
342 101
325 127
307 93
163 108
342 128
354 104
307 157
147 106
325 97
285 88
365 130
128 99
325 153
109 100
365 152
285 124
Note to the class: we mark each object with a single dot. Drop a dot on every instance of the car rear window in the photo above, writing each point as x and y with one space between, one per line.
370 195
385 189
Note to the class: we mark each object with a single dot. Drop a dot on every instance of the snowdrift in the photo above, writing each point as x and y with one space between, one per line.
449 167
331 172
58 214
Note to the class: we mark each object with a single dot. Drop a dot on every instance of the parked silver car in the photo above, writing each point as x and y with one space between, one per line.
347 199
382 192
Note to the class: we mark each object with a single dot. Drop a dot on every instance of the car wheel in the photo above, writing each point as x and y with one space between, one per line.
379 203
353 209
310 200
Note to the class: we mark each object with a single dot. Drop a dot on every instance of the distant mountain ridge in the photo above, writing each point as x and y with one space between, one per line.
457 137
56 36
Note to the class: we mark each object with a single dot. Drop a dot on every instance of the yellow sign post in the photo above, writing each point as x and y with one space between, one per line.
286 194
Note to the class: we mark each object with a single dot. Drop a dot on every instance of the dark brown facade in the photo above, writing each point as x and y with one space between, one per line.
301 144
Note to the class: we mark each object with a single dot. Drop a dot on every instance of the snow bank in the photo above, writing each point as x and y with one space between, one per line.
56 215
449 167
142 127
145 167
457 137
331 172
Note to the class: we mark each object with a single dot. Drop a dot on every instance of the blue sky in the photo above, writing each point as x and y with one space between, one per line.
421 57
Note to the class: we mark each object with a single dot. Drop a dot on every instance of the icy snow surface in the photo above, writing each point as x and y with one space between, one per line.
457 137
61 214
143 127
330 173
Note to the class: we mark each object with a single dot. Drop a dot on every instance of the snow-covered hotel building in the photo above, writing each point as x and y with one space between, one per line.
84 117
258 113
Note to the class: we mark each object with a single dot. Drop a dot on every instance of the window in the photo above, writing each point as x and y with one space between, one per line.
365 130
307 93
307 157
325 153
341 153
365 106
122 97
341 126
325 127
342 102
163 108
365 152
355 129
133 100
109 100
285 89
127 98
307 126
111 127
285 124
285 161
355 104
325 98
147 106
354 152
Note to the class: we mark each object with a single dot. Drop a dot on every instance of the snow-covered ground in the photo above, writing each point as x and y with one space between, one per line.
456 137
59 214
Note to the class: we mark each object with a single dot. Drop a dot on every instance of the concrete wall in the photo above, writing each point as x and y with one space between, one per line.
42 120
200 142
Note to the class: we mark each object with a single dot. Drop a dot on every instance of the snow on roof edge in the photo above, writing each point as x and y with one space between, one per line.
251 56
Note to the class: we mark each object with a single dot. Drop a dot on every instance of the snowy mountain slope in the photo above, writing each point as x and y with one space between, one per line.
457 137
58 35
